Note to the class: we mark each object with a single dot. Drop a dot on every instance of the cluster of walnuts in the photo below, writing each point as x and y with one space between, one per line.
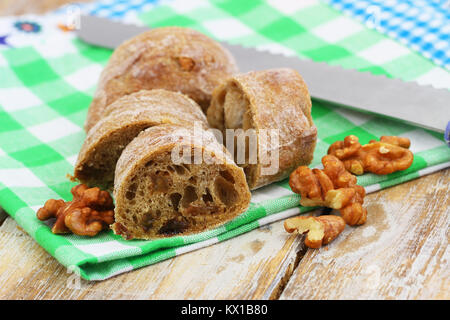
388 155
335 186
90 211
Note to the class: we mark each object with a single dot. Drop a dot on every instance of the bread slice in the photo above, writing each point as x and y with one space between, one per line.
259 102
158 194
124 120
171 58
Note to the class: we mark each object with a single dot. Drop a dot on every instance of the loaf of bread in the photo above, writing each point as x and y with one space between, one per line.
161 191
171 58
271 103
124 120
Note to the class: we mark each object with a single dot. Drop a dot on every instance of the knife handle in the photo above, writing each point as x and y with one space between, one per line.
447 134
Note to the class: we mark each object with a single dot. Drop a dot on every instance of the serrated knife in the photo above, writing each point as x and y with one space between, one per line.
409 102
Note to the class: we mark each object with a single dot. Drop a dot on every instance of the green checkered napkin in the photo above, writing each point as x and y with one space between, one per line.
45 92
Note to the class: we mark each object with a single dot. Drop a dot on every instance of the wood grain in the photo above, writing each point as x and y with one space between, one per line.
400 253
251 266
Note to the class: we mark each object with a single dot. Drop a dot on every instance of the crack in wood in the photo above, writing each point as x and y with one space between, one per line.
301 251
3 216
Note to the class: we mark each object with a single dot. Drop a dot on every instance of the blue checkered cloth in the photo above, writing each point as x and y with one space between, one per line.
423 25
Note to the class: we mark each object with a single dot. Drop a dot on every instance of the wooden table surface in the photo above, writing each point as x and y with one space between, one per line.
400 253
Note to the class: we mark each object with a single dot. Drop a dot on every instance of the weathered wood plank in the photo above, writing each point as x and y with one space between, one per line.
251 266
400 253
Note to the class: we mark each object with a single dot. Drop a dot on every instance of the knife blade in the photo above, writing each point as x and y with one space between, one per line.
408 102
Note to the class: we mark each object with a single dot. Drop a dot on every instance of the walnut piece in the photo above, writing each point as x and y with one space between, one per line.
90 211
388 155
332 187
187 64
320 230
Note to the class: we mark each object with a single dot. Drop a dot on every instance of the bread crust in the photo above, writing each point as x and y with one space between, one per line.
172 58
125 119
146 148
273 99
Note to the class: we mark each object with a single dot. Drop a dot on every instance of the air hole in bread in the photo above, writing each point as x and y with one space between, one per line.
225 191
179 169
131 193
175 199
207 197
227 175
190 195
193 180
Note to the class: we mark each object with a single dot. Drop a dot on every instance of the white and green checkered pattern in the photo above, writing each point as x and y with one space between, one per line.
45 92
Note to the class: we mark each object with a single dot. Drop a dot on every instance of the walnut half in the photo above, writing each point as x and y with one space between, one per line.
332 187
319 230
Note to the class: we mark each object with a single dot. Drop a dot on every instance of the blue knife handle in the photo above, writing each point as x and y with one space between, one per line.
447 134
